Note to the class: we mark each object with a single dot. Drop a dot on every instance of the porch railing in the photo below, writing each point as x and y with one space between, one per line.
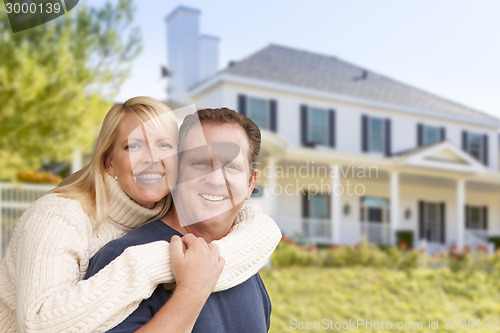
378 233
14 200
317 230
474 238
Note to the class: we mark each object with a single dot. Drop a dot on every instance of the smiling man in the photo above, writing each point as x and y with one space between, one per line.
216 171
218 149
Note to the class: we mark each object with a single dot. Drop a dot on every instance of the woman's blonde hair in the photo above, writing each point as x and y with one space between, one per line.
88 184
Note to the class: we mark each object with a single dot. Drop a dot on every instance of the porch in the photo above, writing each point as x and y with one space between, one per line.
440 194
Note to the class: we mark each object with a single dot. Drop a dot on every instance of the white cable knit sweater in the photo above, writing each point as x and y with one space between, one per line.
41 286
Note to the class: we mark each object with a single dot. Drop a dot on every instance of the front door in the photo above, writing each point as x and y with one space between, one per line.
432 219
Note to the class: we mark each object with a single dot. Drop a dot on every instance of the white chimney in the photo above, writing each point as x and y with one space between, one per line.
183 52
192 57
209 55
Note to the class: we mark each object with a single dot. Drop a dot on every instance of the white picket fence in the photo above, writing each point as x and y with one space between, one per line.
14 200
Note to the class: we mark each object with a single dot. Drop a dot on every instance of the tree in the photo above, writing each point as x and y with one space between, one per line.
58 80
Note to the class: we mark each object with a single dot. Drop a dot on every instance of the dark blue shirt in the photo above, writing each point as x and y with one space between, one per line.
243 308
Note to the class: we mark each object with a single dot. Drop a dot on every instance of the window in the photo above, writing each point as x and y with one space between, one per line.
431 134
258 112
376 135
474 145
263 112
475 217
318 206
316 212
318 126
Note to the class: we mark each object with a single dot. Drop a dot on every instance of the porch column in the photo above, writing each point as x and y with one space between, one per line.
394 202
271 200
335 198
460 213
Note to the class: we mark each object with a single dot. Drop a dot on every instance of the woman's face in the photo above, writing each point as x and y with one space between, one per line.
144 159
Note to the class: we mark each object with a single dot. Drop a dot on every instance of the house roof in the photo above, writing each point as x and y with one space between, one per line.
305 69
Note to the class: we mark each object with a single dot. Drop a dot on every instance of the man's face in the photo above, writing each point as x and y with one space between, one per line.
214 175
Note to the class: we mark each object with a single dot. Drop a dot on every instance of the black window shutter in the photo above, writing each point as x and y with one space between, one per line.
364 133
388 140
420 135
442 133
273 115
242 104
331 128
361 210
467 217
421 220
305 205
485 149
303 125
465 145
485 217
443 221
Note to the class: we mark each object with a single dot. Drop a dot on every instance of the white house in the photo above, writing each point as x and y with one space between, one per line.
347 151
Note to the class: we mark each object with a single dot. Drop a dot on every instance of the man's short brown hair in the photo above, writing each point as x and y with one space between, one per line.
225 116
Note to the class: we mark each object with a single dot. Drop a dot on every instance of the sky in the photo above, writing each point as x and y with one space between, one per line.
448 47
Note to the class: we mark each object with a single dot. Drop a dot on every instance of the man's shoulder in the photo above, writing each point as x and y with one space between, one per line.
148 233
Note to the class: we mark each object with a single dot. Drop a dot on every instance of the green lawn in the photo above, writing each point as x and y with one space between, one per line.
337 295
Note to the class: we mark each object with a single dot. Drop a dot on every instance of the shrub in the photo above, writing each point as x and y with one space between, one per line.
38 177
366 254
404 238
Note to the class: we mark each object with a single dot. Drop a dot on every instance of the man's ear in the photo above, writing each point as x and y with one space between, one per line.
251 184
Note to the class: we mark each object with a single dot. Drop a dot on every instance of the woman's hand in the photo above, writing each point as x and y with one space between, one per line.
196 265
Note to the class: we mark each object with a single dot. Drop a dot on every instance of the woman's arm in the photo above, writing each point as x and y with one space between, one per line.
247 247
52 257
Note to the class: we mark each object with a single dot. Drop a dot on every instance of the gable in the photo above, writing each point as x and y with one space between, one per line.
442 156
447 156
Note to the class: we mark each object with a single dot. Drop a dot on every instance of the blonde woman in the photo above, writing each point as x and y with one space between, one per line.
41 274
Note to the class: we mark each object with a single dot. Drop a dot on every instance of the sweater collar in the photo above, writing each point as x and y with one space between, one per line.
125 211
